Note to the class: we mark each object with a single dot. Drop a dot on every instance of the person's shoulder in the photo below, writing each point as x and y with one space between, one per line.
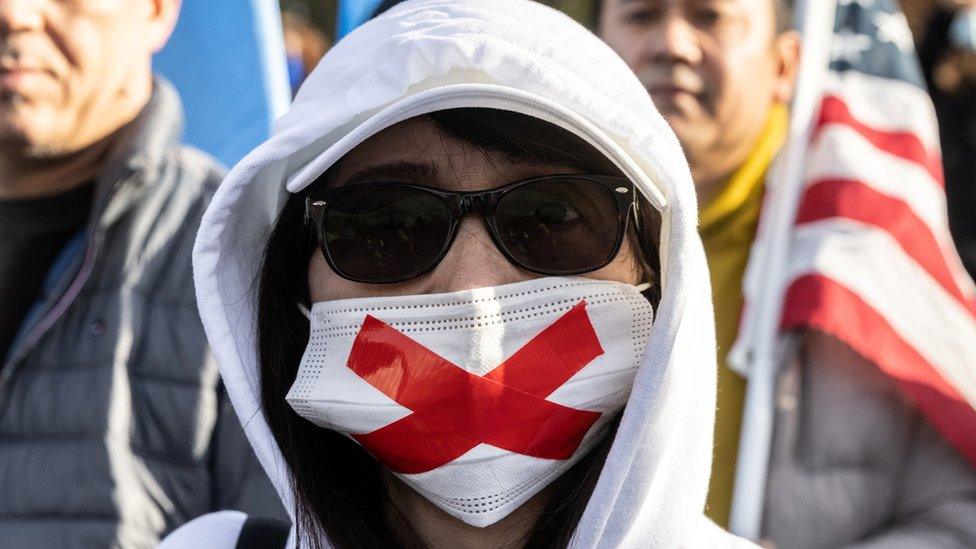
183 184
214 530
198 168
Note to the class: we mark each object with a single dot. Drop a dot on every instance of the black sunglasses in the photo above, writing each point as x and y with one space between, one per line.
390 232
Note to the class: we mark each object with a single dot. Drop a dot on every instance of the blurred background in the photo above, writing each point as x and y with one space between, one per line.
323 14
311 26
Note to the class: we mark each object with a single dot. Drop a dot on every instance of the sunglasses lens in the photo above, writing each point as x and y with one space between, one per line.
385 234
563 225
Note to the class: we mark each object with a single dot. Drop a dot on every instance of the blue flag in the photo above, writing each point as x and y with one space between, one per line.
353 13
227 59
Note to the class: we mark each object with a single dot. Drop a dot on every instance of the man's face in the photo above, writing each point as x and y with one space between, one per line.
712 66
68 67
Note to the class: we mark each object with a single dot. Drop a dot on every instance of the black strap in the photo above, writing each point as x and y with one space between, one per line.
263 533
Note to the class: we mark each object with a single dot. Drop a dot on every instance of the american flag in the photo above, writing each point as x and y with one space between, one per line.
872 261
868 257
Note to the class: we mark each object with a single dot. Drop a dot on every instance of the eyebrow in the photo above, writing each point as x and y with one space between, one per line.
400 172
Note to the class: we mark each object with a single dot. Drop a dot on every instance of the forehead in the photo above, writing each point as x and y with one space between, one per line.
417 151
417 141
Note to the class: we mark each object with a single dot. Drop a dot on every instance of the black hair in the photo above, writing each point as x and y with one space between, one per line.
784 14
338 486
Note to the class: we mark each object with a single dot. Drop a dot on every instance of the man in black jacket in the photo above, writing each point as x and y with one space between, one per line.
114 428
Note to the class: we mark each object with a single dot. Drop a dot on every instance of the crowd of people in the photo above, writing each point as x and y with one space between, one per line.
479 289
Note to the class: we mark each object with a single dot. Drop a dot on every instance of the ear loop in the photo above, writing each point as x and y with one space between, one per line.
635 210
308 221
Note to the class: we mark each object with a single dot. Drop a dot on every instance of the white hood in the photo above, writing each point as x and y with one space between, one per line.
517 55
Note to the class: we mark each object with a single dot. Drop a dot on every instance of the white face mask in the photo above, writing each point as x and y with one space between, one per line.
476 399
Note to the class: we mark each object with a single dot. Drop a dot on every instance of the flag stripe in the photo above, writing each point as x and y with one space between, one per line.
840 198
857 324
886 104
842 153
870 262
899 143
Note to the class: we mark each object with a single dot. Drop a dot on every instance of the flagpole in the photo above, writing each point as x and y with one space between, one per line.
756 353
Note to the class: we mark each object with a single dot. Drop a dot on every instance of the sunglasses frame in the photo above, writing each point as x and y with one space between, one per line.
462 203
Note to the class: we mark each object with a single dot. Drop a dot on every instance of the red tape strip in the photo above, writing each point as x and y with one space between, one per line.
455 410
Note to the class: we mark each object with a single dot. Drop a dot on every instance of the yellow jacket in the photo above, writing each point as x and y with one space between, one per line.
728 227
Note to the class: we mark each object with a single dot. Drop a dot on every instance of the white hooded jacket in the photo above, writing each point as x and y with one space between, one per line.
517 55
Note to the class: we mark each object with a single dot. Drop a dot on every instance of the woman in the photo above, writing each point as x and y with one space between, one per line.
458 299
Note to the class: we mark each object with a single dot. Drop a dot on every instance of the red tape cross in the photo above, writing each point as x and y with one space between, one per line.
455 410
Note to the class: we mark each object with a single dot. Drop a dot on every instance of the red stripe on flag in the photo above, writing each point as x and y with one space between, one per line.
903 144
818 302
851 199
